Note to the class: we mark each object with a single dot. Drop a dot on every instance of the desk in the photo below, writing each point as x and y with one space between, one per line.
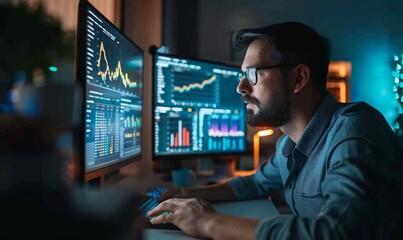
256 209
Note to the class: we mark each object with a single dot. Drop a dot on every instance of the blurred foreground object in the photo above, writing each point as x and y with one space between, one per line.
38 200
54 103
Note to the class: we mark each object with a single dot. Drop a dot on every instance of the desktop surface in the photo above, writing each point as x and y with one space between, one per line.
255 209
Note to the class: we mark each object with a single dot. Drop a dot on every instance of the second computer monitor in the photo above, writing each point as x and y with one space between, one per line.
196 109
110 69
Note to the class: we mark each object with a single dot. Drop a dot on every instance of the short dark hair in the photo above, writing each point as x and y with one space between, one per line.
293 43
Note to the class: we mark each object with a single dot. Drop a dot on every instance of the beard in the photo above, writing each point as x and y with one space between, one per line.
274 113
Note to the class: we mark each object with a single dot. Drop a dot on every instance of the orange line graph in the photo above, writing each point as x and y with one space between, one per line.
187 88
113 75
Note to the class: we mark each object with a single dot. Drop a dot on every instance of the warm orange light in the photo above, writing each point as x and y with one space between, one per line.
340 69
342 72
264 133
256 142
342 88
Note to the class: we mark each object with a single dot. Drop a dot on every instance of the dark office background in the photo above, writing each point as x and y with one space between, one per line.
366 33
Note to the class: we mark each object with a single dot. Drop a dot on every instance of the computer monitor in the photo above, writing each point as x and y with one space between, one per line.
109 66
196 109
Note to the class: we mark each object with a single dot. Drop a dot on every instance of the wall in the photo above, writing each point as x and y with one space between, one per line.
365 32
181 27
67 10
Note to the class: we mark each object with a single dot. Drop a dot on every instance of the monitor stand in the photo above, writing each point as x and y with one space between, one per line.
208 170
95 183
224 166
103 180
223 169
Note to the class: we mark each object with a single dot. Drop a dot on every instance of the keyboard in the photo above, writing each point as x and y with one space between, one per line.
155 191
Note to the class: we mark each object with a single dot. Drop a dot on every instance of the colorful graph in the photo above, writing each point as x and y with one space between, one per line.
187 88
225 144
194 88
225 126
132 121
112 75
180 138
131 140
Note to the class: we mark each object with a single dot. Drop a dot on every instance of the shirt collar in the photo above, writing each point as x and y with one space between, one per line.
317 125
315 128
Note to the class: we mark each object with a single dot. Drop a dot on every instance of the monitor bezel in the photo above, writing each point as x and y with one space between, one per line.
80 173
191 155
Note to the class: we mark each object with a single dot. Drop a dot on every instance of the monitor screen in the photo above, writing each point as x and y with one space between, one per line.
196 109
110 69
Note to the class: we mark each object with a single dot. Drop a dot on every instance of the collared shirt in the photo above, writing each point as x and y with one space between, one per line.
342 180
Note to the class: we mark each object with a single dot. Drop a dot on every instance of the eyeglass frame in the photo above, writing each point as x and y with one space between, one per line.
245 73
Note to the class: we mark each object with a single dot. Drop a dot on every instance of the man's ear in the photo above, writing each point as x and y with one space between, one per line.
302 74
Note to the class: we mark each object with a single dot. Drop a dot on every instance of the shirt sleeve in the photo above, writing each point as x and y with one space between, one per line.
261 184
359 184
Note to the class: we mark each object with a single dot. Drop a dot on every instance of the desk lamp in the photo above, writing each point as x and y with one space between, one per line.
256 143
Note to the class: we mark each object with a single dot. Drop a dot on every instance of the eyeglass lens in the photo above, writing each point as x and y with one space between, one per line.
250 75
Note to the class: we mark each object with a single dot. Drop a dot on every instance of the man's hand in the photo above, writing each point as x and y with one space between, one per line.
193 216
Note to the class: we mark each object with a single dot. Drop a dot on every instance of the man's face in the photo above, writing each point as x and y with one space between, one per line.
268 103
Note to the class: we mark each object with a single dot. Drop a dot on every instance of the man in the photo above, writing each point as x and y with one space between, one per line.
338 164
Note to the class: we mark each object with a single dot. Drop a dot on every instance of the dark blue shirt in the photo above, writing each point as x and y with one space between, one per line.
342 180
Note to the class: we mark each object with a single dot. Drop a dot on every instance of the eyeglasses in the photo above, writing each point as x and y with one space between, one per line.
251 73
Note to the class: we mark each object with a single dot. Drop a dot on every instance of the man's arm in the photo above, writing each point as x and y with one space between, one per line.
197 217
259 185
215 193
359 205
